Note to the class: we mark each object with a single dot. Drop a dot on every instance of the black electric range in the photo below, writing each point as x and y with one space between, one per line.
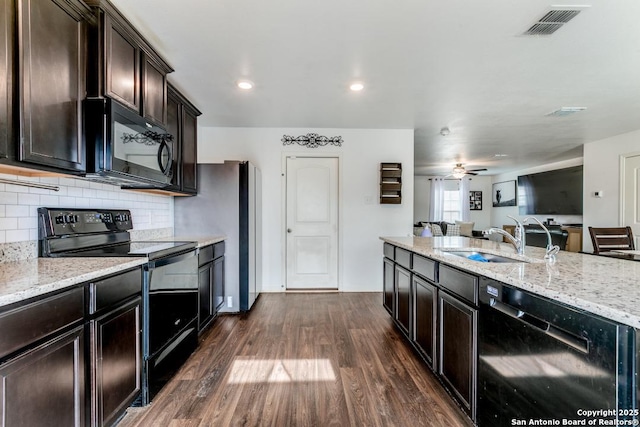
170 288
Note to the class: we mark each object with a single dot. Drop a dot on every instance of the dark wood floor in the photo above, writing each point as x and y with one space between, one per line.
316 359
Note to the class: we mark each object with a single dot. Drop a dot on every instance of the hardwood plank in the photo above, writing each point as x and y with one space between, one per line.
317 359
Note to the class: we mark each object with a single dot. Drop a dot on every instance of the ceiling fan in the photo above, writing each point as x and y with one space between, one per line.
459 171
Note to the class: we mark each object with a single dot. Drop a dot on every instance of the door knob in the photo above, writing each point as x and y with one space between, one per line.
289 230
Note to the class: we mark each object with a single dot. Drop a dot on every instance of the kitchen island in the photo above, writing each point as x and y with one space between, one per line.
519 338
607 287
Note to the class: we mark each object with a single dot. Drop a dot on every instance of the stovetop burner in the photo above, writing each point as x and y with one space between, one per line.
96 233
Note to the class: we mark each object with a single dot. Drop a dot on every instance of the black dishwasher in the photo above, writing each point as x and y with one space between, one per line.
541 360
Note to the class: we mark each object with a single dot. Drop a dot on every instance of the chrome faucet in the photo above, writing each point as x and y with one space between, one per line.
552 249
518 240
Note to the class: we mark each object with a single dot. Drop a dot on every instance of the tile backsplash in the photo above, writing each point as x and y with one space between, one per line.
19 204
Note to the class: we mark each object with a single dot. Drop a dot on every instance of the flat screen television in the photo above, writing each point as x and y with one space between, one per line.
557 192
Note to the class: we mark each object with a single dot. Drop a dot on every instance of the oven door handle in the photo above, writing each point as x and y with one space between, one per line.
171 259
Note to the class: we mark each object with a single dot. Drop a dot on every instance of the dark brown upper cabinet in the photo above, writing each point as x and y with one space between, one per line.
51 57
6 76
125 67
182 123
122 64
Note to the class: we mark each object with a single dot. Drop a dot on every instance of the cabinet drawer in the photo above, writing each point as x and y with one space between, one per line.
389 251
206 254
403 258
424 267
218 250
27 324
105 293
462 284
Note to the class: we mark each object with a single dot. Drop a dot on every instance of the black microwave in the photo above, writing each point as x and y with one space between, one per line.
125 149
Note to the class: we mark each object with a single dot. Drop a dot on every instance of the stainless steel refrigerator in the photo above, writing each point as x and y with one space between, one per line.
228 203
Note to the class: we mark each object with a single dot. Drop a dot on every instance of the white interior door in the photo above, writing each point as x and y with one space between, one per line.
312 222
631 196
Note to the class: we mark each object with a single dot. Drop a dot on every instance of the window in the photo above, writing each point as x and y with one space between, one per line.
451 206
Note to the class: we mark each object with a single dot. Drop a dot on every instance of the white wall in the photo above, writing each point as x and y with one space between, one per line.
362 219
602 173
482 218
499 215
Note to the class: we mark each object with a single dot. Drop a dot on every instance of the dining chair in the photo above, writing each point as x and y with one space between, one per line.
606 239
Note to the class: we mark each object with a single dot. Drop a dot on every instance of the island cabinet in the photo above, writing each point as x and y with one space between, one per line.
42 363
402 290
397 298
42 84
124 66
436 307
210 284
425 307
115 345
388 292
182 122
458 329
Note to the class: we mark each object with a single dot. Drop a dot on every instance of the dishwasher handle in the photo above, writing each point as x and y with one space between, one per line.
577 342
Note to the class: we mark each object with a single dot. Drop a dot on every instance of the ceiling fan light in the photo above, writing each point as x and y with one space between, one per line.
458 172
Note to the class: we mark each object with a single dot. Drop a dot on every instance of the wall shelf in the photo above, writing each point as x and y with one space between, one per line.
390 183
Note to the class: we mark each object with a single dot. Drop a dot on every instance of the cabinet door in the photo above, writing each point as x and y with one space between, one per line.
173 127
425 297
116 362
52 42
6 76
45 386
403 298
205 285
218 283
122 62
457 365
189 150
389 287
154 101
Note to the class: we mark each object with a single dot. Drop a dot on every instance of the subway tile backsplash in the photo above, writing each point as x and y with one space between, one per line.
19 204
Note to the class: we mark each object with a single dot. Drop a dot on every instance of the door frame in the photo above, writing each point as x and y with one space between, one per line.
622 205
283 216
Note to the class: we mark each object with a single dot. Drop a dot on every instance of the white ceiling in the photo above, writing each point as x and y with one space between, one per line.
426 65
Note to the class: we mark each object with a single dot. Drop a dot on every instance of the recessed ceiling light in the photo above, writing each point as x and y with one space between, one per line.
356 87
500 155
245 84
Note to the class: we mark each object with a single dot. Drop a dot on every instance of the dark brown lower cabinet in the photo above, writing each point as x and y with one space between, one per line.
388 286
458 349
206 310
425 308
403 298
116 358
44 386
210 283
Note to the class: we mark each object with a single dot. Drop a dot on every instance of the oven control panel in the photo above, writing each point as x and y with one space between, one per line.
60 222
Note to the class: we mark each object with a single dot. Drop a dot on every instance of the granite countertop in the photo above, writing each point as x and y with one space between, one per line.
600 285
20 280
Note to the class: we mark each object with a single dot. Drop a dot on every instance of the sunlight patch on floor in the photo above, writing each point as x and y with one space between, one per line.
245 371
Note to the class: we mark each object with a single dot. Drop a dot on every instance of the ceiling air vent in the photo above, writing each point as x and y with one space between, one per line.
565 111
551 22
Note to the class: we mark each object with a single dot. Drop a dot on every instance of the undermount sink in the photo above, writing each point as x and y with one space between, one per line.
487 256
